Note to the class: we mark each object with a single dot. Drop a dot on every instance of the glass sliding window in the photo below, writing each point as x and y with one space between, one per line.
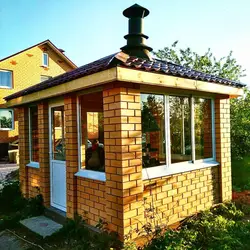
180 128
203 128
5 79
58 133
92 133
34 148
153 130
6 119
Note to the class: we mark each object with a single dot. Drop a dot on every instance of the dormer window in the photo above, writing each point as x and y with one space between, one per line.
45 60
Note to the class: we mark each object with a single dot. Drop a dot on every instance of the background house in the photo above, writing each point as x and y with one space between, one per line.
21 70
164 130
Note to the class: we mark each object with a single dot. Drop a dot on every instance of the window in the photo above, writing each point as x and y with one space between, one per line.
33 133
6 119
91 132
180 128
45 78
5 79
58 134
45 60
153 130
176 129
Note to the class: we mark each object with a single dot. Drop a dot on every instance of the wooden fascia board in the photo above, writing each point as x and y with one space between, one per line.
93 80
149 78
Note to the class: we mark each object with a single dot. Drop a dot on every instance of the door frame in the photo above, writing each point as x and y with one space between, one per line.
54 104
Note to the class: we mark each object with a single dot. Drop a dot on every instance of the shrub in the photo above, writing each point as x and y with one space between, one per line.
221 227
14 207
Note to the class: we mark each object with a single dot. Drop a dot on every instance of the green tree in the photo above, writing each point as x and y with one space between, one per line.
226 67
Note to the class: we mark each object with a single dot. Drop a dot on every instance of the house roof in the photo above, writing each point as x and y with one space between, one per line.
48 42
124 60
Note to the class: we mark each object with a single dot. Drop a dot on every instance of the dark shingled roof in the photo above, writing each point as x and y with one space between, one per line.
155 65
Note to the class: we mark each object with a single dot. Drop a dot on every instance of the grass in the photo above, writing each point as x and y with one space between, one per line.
241 174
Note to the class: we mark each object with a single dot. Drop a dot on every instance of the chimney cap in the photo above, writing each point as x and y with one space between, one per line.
136 11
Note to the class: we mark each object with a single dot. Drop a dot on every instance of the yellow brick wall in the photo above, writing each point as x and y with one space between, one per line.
27 70
170 199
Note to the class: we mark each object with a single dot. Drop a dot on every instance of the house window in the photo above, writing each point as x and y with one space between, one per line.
33 133
5 79
153 130
176 129
180 128
45 60
45 78
6 119
91 133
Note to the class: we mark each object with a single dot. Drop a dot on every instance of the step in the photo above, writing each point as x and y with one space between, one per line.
55 214
41 225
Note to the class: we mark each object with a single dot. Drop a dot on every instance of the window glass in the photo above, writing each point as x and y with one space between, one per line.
6 119
45 59
34 134
5 79
180 128
92 133
153 130
58 133
45 78
203 128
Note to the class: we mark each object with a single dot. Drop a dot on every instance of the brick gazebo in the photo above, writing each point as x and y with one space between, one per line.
124 133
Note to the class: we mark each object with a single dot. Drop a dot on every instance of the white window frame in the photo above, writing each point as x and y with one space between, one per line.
32 164
180 167
45 65
89 174
7 87
13 120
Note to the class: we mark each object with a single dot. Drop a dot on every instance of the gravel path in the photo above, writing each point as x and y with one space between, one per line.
6 169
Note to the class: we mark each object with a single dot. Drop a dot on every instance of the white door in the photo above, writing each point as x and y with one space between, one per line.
57 158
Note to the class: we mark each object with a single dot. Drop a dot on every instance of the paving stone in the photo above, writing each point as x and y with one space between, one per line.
41 225
8 241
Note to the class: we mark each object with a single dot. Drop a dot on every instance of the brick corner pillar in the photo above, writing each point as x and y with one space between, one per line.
223 147
43 142
70 108
23 126
123 159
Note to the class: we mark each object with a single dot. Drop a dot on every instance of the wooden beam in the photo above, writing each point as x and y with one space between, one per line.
157 79
93 80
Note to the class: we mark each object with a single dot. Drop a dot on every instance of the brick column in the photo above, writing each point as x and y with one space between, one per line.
223 146
43 142
71 153
23 127
123 158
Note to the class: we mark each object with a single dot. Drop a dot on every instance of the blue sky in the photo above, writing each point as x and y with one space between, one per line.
90 29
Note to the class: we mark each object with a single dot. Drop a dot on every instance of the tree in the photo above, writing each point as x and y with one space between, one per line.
226 67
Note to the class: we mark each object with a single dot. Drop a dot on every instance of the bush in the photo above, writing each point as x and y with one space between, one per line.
77 236
219 228
14 207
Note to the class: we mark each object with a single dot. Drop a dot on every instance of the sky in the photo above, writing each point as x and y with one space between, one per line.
91 29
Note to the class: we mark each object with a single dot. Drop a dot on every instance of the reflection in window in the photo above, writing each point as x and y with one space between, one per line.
92 133
180 128
6 119
34 149
58 133
153 130
203 128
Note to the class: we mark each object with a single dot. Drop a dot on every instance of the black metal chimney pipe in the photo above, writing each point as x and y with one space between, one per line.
136 39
